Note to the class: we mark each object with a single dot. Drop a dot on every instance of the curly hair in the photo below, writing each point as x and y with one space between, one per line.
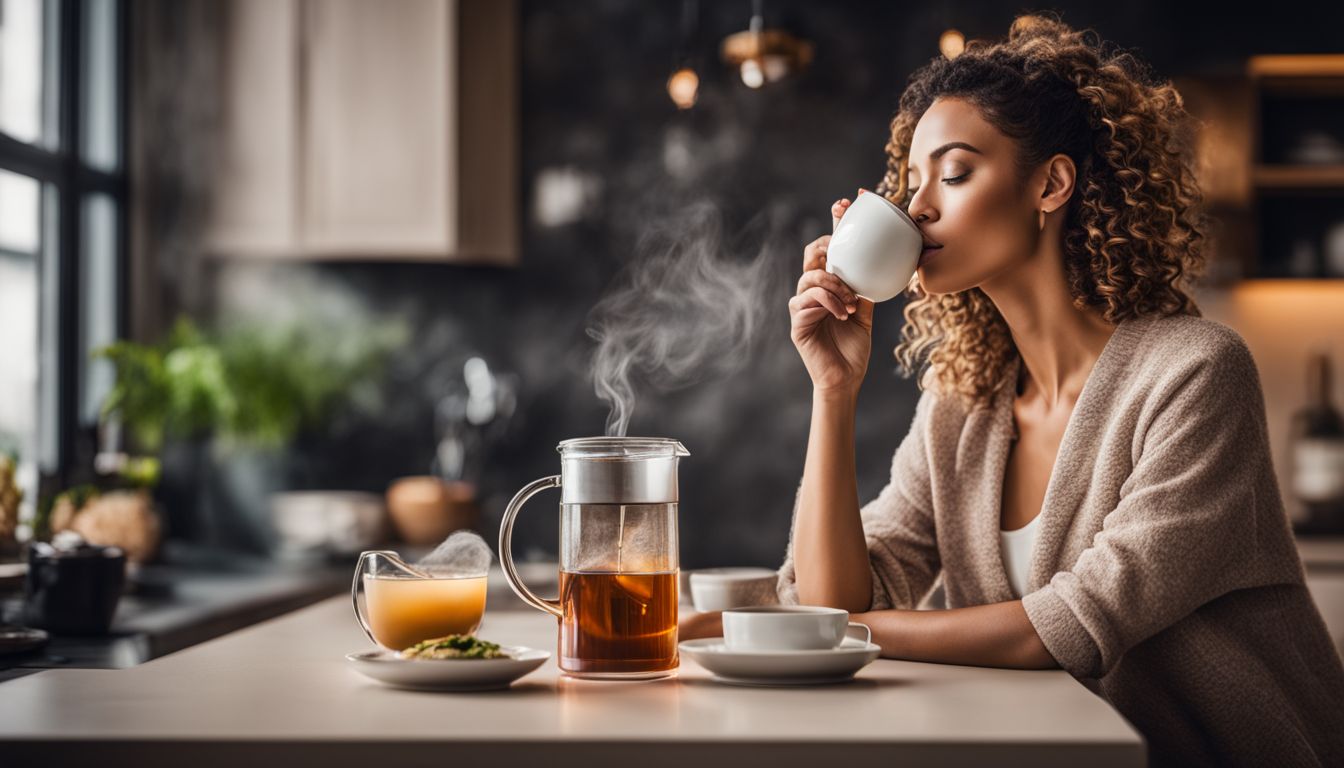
1134 226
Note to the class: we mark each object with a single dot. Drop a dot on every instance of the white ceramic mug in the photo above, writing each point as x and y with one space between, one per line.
719 589
787 628
875 248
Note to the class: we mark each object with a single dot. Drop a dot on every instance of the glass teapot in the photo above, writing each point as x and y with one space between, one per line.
618 556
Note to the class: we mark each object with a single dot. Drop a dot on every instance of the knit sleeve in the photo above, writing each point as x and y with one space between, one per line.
897 523
1185 524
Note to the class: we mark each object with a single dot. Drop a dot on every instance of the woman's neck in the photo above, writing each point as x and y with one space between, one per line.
1058 342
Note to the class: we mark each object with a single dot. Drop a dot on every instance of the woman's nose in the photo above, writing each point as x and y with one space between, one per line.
919 210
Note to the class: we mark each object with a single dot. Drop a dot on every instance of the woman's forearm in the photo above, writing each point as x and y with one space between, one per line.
829 550
994 635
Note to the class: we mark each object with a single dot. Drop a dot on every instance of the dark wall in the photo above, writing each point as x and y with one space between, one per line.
772 161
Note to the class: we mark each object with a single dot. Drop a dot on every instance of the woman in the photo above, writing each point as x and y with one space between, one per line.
1088 468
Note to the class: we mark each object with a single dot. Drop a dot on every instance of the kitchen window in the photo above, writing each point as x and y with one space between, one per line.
62 226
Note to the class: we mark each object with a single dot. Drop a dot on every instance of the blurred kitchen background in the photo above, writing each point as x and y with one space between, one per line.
262 261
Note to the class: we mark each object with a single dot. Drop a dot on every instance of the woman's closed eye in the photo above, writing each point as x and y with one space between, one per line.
951 181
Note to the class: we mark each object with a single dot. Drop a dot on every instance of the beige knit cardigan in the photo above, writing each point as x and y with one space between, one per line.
1164 575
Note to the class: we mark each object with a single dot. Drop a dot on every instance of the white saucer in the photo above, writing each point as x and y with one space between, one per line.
781 667
448 674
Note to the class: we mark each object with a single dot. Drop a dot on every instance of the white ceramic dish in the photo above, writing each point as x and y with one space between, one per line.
717 589
834 665
448 674
312 523
788 628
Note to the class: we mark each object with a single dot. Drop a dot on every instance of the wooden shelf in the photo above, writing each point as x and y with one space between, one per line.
1298 176
1309 76
1297 65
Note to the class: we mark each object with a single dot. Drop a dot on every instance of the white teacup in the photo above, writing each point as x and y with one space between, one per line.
875 248
719 589
787 628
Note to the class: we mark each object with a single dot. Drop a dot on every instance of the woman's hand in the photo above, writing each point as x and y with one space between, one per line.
698 625
831 327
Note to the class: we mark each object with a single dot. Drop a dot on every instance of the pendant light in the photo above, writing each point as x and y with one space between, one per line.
683 85
763 56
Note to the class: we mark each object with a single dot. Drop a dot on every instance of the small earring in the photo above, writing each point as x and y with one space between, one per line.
1042 224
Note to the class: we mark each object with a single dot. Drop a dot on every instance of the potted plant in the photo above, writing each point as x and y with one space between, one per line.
220 408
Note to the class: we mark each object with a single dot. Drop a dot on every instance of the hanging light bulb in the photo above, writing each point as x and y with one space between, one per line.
763 55
752 75
684 87
776 67
951 43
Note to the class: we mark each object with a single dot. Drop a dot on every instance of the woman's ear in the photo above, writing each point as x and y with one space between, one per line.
1059 181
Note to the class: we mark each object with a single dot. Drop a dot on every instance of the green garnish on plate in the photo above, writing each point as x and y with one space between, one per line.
454 647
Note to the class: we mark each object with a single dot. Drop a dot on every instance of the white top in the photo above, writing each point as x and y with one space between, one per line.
1015 546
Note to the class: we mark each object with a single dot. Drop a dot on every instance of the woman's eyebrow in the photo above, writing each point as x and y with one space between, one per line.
951 145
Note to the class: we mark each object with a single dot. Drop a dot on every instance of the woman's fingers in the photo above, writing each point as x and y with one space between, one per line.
708 624
815 296
814 254
838 209
823 279
804 321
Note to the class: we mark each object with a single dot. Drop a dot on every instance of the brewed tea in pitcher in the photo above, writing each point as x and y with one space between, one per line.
618 622
618 556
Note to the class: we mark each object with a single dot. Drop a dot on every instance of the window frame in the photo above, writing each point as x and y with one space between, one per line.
73 180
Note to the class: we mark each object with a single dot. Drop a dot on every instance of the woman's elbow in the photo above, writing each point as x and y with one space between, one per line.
1032 653
854 599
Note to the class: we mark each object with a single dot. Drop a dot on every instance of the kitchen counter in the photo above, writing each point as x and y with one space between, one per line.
281 692
171 606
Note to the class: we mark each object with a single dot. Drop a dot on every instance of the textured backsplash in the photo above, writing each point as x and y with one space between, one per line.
605 155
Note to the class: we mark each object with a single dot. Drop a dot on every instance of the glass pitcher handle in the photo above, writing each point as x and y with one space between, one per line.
506 546
364 558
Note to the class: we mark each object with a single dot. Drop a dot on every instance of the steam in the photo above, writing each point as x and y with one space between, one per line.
464 553
686 309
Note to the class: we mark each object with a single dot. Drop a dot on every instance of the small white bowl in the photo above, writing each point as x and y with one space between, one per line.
718 589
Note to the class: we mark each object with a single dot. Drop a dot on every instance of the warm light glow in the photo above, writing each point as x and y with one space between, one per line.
684 87
952 43
1290 291
775 67
752 75
765 56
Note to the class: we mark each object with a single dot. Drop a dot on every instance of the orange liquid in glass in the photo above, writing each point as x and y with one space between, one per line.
404 611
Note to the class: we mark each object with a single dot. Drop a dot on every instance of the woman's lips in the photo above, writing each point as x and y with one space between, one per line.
927 255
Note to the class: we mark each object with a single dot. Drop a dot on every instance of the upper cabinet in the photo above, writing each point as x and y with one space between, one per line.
355 129
1271 166
1298 171
253 205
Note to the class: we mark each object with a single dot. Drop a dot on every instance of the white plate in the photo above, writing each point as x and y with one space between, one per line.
781 667
448 674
